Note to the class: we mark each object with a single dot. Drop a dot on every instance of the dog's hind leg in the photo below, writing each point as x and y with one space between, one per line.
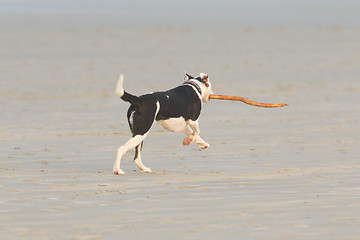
137 159
133 142
140 122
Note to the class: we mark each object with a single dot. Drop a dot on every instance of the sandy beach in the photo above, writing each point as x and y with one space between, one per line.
286 173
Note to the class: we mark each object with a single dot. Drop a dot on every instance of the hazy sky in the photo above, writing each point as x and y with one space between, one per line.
203 11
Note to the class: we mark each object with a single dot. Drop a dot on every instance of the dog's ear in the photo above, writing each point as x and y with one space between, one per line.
188 77
204 77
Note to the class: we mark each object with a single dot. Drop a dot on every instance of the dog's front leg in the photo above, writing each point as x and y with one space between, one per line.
194 135
202 143
191 135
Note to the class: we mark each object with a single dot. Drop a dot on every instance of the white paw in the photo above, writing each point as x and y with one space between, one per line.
119 171
146 170
204 145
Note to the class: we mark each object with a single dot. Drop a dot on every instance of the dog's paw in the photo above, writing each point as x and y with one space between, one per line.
146 170
204 146
119 172
188 141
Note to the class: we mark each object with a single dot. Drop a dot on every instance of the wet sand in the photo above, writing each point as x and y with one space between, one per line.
288 173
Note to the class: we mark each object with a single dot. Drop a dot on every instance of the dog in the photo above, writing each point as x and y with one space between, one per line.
176 110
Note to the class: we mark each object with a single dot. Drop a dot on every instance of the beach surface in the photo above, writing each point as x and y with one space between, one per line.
284 173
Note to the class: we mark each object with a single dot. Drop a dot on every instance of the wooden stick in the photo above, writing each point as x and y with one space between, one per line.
247 101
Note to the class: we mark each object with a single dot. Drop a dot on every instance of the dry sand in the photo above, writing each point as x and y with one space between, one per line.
289 173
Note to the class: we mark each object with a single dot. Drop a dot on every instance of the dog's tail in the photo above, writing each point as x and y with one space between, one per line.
121 93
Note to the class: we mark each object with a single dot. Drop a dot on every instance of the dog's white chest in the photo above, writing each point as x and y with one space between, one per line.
173 124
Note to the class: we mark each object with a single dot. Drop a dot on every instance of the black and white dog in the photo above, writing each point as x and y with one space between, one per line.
176 110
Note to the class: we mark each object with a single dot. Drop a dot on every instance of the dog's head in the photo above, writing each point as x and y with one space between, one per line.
204 84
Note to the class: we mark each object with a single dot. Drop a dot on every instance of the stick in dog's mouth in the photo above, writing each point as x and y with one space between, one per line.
247 101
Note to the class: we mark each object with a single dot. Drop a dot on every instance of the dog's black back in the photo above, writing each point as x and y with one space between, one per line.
181 101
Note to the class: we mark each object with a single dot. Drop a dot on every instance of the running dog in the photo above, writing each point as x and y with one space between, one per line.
176 110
